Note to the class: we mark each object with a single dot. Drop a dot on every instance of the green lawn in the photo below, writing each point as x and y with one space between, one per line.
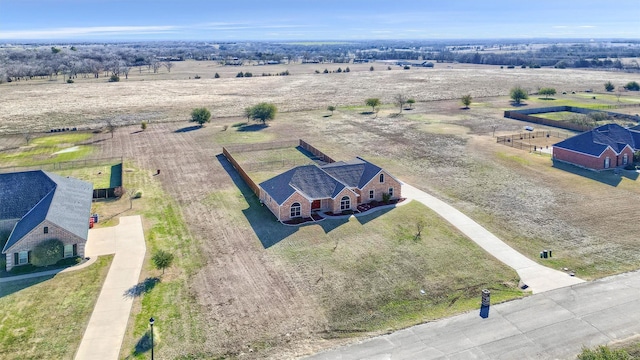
102 177
374 269
48 149
45 317
170 301
368 271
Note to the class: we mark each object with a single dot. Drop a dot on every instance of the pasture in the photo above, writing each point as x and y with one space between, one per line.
245 283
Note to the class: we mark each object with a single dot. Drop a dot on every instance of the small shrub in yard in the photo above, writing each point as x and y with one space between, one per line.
143 125
47 253
386 197
114 78
162 259
69 81
22 269
69 261
138 194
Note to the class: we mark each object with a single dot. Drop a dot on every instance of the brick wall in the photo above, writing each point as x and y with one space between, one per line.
592 162
380 188
37 235
285 208
335 204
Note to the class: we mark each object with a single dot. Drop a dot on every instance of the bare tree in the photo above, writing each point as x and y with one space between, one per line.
494 127
27 136
419 228
400 99
155 65
169 65
111 127
125 70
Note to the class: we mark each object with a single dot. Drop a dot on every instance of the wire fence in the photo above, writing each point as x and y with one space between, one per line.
64 165
531 141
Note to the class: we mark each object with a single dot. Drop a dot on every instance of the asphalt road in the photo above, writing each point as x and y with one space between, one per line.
555 324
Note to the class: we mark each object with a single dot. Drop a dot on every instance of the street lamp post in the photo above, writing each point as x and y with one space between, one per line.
151 321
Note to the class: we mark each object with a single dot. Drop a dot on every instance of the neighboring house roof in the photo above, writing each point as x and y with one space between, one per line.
67 203
309 180
20 192
355 173
596 141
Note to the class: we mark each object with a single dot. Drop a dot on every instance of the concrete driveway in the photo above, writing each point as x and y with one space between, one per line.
103 336
551 325
537 277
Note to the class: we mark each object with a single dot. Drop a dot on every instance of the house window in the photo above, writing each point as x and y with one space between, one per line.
68 251
46 229
345 203
295 210
607 162
23 257
390 192
381 178
371 194
625 159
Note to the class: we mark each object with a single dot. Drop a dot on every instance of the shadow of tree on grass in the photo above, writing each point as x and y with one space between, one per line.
188 128
143 345
141 288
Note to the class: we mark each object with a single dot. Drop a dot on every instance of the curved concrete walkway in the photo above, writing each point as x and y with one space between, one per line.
537 277
108 323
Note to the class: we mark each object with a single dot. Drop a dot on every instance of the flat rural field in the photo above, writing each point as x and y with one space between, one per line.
248 285
46 104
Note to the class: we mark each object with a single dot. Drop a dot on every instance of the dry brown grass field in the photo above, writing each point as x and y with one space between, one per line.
45 104
267 291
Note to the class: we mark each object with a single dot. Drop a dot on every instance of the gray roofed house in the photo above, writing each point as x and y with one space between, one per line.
334 187
36 206
606 146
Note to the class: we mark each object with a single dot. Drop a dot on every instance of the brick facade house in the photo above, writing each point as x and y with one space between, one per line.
607 146
36 206
336 187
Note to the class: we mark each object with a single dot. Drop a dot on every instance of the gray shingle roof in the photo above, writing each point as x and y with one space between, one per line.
20 192
355 173
67 204
595 141
310 180
322 182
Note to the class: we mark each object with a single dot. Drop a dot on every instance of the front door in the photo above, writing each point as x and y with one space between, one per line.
315 205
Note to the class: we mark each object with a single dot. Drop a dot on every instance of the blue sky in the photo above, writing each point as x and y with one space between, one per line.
274 20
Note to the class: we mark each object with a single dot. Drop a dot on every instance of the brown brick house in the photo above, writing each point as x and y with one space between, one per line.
36 206
335 187
607 146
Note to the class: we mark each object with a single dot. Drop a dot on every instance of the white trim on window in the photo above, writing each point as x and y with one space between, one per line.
372 194
23 257
345 203
68 251
381 178
295 209
390 192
